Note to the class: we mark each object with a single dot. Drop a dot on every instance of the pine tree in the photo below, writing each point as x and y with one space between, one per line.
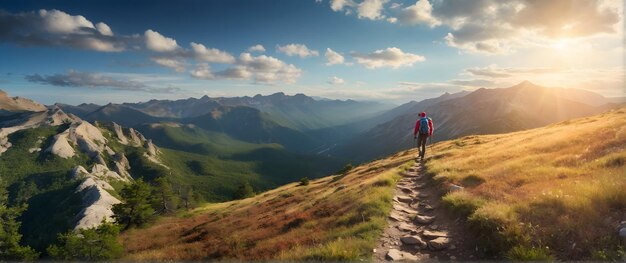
10 248
164 201
136 207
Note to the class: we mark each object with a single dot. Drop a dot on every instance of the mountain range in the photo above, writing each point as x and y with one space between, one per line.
483 111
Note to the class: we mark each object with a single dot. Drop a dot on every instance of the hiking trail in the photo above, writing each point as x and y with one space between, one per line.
419 228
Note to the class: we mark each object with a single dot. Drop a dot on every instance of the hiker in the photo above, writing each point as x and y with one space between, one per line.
423 126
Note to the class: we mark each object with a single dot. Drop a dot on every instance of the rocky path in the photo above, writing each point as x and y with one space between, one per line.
418 228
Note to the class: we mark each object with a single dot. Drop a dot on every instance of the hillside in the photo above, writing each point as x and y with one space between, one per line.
333 218
484 111
555 192
552 192
11 105
66 171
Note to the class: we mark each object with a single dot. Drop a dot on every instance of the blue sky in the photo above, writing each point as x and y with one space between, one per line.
396 51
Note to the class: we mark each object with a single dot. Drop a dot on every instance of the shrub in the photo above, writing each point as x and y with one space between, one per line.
345 169
524 253
244 190
304 181
462 203
93 244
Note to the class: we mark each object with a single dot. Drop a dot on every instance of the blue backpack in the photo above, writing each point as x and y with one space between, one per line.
424 129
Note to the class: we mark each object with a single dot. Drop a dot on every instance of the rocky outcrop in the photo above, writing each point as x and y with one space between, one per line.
61 147
119 133
26 120
135 138
97 201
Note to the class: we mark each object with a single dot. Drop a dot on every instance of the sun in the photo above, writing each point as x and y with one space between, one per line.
560 45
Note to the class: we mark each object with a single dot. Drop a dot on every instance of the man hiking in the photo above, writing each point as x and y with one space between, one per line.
423 126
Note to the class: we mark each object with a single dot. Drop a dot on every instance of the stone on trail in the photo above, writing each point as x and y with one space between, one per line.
397 255
439 243
400 208
413 240
433 234
396 217
424 219
409 174
405 199
406 190
423 195
407 227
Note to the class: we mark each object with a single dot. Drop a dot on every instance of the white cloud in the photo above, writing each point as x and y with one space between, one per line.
371 9
339 5
366 9
297 50
395 5
56 21
212 55
257 48
336 81
202 71
333 57
159 43
175 64
419 13
494 27
104 29
260 69
391 57
57 28
500 27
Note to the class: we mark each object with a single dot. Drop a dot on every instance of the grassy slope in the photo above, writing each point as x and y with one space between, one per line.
317 221
556 191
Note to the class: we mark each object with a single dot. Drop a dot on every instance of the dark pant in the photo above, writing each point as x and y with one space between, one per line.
421 143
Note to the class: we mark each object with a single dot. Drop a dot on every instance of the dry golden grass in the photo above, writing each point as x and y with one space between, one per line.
318 221
557 191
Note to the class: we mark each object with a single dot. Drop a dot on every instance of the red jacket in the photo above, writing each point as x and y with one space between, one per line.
430 127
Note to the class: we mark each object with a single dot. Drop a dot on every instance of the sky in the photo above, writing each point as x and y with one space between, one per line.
384 50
